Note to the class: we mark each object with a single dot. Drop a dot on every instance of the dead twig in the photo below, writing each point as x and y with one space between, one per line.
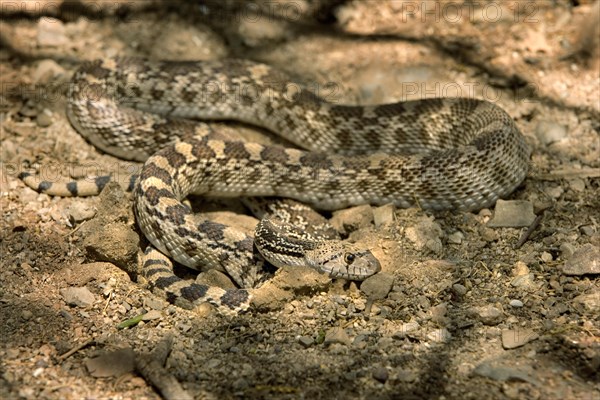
75 349
536 222
150 367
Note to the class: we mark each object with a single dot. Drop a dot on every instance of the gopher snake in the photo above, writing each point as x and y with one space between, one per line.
460 154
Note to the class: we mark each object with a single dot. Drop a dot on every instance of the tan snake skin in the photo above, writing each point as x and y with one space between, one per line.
440 154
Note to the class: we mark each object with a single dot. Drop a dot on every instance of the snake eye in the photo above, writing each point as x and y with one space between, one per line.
349 258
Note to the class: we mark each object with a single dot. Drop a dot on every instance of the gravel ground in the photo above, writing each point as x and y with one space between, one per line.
467 306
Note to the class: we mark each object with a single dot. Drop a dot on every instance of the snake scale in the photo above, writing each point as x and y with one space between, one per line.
439 154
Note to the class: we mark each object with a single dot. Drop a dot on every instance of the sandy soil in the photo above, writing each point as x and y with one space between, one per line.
459 310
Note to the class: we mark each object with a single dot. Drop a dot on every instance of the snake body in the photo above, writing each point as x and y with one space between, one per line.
440 154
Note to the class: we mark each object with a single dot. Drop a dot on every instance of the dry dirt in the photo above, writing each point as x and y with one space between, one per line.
459 311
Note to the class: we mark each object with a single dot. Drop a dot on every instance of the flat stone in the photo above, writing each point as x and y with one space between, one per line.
301 280
587 230
384 215
352 219
270 297
306 341
512 214
585 260
78 296
115 242
115 363
154 303
513 338
377 286
152 314
590 302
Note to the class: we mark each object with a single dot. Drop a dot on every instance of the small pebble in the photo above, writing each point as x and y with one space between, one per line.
512 214
66 315
26 314
12 353
44 118
381 374
587 230
521 268
566 250
554 192
426 234
29 109
577 185
488 234
78 296
456 237
306 341
213 363
490 315
241 384
516 303
80 211
459 289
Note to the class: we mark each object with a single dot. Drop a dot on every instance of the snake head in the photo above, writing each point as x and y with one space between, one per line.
343 260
